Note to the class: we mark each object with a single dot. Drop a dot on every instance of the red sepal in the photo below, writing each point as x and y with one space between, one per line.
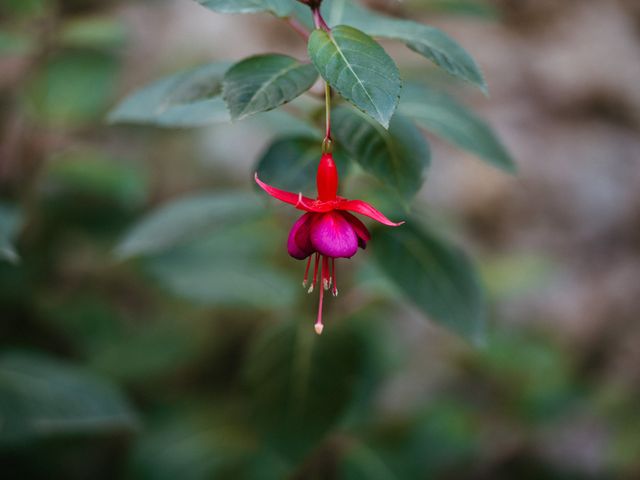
327 178
295 199
363 208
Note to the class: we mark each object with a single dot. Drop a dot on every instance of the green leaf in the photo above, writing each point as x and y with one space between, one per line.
359 69
228 268
425 40
299 387
10 225
41 397
93 173
442 115
397 157
281 122
210 282
153 347
361 461
436 440
188 447
264 82
185 219
280 8
188 99
290 163
154 350
434 275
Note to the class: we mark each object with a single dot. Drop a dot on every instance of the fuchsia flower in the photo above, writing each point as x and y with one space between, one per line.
327 229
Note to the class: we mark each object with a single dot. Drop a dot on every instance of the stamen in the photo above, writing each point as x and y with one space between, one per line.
306 272
334 290
315 273
326 275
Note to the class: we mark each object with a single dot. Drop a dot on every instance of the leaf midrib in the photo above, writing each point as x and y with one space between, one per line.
333 41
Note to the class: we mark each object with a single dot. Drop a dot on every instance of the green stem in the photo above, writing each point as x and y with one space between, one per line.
327 144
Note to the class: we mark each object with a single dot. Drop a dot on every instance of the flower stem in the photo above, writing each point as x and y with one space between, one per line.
320 24
299 28
318 20
326 145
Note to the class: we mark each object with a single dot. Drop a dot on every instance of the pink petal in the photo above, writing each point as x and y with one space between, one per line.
332 235
295 199
363 208
361 231
299 243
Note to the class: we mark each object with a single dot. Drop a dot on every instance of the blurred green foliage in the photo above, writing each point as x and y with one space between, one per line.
197 360
72 88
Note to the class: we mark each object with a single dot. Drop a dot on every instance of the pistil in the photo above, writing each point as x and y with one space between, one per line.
319 326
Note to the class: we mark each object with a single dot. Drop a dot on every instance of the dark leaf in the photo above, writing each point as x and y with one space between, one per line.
436 276
442 115
359 69
229 268
397 157
290 163
301 385
186 219
188 99
41 397
264 82
425 40
10 224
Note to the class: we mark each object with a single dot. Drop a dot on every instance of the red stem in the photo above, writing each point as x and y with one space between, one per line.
298 27
327 105
318 21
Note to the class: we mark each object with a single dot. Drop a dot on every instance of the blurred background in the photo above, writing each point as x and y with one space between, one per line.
201 362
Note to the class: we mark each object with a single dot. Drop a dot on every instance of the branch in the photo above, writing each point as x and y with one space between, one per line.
298 27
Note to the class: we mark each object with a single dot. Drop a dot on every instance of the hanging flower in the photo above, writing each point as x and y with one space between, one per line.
327 230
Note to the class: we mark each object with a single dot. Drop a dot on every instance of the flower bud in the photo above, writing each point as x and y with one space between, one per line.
327 178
